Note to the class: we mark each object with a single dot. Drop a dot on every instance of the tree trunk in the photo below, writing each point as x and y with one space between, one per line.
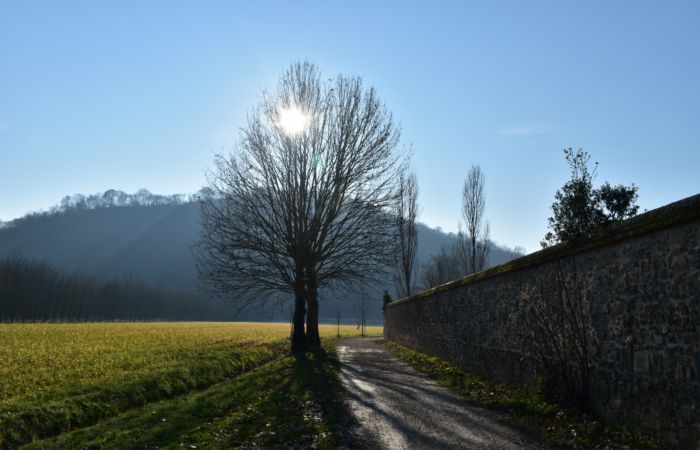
313 339
473 268
298 336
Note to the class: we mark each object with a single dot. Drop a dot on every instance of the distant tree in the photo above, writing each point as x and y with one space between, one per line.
79 201
143 197
442 267
619 202
362 306
94 201
407 230
202 195
580 210
386 299
175 199
110 198
514 252
121 198
474 243
66 203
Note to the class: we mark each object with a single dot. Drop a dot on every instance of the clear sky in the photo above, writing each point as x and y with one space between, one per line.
125 95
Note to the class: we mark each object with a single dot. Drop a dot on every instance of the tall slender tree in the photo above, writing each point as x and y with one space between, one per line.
474 243
407 230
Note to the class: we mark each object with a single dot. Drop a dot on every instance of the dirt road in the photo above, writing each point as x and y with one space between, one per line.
391 406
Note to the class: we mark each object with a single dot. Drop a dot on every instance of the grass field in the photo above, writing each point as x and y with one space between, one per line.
56 378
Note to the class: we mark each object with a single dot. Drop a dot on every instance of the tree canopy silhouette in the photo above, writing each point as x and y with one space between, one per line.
306 199
580 210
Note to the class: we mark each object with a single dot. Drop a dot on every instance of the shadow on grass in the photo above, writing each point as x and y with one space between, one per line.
302 411
291 403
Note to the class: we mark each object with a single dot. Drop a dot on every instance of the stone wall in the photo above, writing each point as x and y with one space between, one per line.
638 285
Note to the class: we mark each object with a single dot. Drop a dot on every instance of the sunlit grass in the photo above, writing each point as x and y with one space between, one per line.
55 377
293 402
44 359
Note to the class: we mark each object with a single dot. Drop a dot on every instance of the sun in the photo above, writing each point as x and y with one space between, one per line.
292 120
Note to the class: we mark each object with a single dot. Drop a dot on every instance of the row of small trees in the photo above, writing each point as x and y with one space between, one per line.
34 291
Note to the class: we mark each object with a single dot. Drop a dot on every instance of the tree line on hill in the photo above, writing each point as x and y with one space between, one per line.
111 198
35 291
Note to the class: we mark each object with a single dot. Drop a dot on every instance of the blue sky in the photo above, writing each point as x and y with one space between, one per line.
98 95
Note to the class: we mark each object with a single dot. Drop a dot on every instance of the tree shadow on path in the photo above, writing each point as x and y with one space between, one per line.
392 406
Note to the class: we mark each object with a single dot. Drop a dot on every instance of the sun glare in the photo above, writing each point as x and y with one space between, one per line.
292 120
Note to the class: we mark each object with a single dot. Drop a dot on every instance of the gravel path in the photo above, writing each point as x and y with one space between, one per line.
391 406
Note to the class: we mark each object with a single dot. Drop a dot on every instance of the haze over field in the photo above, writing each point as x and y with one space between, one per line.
154 244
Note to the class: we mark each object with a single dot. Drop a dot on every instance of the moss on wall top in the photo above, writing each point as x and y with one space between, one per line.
677 213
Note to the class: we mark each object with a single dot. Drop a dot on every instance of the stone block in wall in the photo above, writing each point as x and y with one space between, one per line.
641 362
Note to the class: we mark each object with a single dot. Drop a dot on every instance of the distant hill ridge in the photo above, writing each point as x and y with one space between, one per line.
112 198
150 237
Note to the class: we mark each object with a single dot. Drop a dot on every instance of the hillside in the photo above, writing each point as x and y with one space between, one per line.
154 244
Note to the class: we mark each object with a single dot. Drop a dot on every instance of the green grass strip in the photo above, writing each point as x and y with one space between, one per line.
293 402
25 422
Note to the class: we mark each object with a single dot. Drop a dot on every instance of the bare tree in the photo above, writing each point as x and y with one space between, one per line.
338 323
254 218
560 340
307 200
362 307
470 251
463 251
475 242
351 234
407 230
442 267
